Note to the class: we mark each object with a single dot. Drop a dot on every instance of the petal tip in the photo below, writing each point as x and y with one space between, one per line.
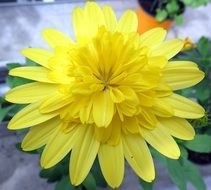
25 51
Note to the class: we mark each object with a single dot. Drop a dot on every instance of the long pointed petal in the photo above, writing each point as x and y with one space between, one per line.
103 109
38 55
184 107
29 116
87 21
111 160
139 157
182 74
128 22
55 102
161 141
110 18
58 147
30 93
153 37
83 154
178 127
40 134
56 38
168 48
34 73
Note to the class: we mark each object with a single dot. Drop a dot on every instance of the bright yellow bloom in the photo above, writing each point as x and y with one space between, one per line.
107 94
188 44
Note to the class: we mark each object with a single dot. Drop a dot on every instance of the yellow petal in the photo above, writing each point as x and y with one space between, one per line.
59 77
163 90
116 95
157 61
128 22
56 38
131 124
146 98
30 93
34 73
79 23
139 157
182 74
184 107
153 37
162 108
168 48
55 102
86 22
115 131
29 116
149 116
85 112
111 161
40 134
38 55
178 127
103 109
162 141
58 147
83 154
110 18
94 16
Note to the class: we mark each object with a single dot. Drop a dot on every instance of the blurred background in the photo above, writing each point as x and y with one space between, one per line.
21 22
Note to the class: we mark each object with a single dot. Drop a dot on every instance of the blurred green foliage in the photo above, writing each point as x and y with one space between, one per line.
174 9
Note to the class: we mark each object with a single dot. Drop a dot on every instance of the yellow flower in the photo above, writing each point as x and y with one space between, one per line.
188 44
107 94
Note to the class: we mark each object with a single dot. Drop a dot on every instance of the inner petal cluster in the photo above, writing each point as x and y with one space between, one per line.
111 76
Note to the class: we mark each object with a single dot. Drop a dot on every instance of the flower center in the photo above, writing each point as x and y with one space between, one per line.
112 78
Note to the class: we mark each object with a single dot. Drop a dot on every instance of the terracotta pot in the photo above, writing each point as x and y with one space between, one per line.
147 21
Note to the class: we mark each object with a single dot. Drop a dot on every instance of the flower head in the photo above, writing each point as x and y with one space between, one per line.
107 94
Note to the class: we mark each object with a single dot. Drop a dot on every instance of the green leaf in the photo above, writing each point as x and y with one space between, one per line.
193 175
172 7
145 185
179 19
30 62
4 112
161 15
2 100
201 122
189 92
202 92
56 172
195 3
64 184
176 173
90 183
16 81
52 174
184 152
13 65
157 156
97 174
203 46
187 2
201 143
16 108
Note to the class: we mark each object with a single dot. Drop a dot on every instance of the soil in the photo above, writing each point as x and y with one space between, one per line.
3 74
151 6
199 158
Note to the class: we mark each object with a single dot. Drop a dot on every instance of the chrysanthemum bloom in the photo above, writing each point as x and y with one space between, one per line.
107 94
